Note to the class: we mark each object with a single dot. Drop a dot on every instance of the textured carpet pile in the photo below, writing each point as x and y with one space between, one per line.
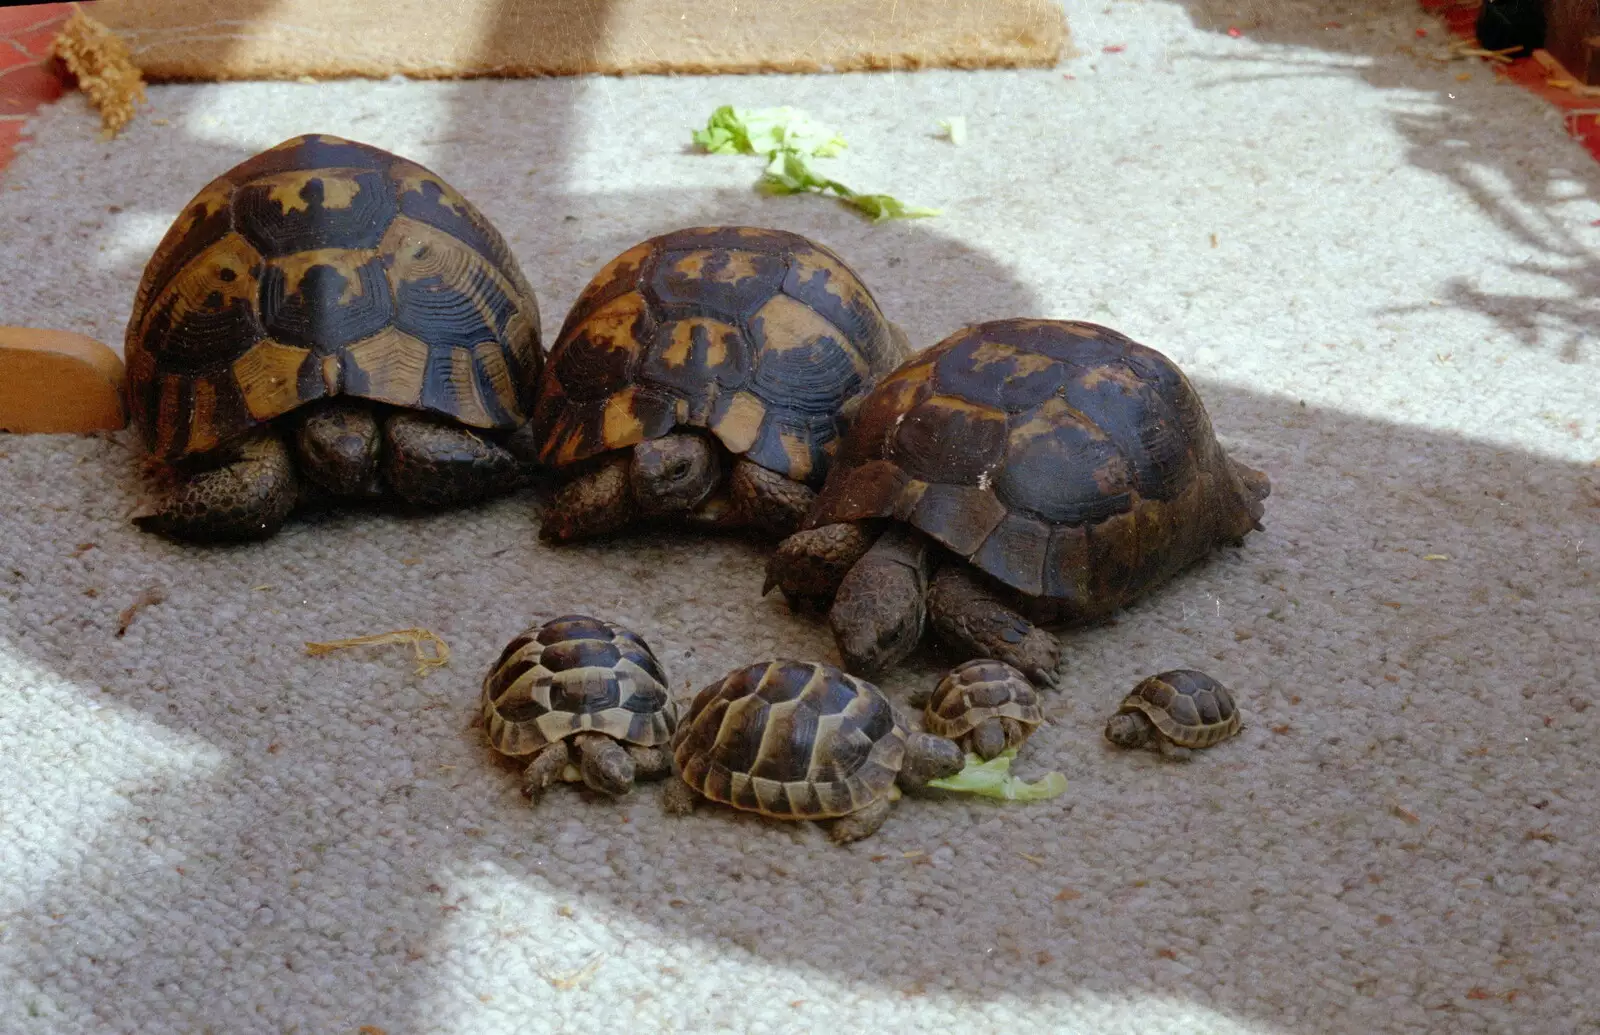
1379 273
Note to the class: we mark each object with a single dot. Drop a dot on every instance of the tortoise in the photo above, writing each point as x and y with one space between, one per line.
802 741
327 319
985 706
704 377
1175 712
580 698
1018 472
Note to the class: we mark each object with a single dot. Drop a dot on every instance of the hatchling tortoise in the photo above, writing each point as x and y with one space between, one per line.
1174 712
802 740
1019 471
704 377
983 705
579 698
329 320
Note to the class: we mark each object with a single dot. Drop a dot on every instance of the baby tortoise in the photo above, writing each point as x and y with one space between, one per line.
1174 712
1019 471
579 698
704 377
802 740
328 313
983 705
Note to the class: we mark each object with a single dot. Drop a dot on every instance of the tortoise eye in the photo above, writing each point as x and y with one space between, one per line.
677 469
422 252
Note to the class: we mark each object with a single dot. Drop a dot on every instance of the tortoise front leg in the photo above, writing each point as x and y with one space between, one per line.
767 502
677 797
809 566
247 498
594 503
970 616
545 769
878 613
432 462
861 823
650 763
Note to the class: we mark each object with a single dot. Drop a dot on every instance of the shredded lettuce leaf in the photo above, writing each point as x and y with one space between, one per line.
955 128
993 779
789 140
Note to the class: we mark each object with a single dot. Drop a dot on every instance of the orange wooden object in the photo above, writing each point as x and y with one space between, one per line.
57 381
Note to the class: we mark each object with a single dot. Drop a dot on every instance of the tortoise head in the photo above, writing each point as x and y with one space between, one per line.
673 475
929 758
1130 730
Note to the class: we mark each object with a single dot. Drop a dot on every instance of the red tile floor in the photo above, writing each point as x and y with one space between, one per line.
29 80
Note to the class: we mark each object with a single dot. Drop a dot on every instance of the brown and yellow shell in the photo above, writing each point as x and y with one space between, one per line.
1188 707
761 336
791 740
1062 458
324 267
574 674
978 690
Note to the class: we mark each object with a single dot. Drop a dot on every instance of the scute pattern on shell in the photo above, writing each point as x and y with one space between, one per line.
1190 708
760 336
793 740
1060 457
977 690
324 267
572 674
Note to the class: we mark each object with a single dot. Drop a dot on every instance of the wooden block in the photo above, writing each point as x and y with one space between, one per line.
1571 31
56 381
285 39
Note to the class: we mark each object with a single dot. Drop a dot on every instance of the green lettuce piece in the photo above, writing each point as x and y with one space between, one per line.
761 131
789 140
955 129
993 779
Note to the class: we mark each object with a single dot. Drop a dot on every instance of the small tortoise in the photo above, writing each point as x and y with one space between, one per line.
1174 712
587 683
328 312
1019 471
802 740
983 705
705 376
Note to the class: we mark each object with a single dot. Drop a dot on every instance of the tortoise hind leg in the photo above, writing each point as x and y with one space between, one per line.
433 462
971 617
861 823
247 498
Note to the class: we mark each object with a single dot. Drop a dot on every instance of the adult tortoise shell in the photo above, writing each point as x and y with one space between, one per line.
580 698
802 741
354 290
706 375
1019 471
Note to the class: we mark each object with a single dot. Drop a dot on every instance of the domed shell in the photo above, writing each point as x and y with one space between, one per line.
1062 458
572 674
326 267
978 690
792 740
1188 707
761 336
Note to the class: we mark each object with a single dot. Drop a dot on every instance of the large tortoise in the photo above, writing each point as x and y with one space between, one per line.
331 313
580 698
802 741
705 376
1019 471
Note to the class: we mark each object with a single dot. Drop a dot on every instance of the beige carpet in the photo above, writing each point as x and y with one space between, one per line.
1382 279
283 39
